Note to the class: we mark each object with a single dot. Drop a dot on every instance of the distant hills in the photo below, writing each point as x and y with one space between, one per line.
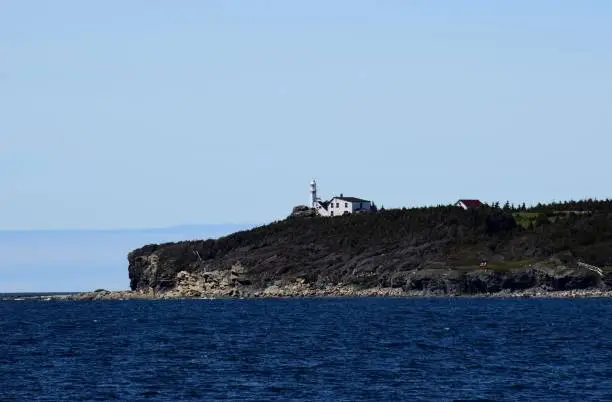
81 260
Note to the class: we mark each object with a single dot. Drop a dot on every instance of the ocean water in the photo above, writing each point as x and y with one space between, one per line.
336 349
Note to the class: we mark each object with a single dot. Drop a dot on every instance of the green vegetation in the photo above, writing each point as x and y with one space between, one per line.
391 247
581 228
527 220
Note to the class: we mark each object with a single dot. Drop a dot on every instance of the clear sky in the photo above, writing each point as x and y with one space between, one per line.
82 260
144 113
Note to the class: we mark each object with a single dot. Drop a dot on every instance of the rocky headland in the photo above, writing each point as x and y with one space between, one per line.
407 252
434 251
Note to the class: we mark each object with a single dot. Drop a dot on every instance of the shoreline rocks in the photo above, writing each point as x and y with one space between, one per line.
195 290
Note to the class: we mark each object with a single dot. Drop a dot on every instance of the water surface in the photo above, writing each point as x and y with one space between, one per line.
341 349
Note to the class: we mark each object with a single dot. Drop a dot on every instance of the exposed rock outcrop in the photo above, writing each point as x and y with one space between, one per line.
302 211
396 252
440 282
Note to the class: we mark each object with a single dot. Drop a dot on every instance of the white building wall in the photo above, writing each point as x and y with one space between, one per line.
461 205
337 207
321 211
341 206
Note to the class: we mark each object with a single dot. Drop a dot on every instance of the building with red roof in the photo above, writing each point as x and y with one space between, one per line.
468 204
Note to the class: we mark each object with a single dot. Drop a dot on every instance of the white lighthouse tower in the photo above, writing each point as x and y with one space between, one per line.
313 193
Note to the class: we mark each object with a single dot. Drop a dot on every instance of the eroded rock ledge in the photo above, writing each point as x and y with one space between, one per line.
432 251
337 291
532 282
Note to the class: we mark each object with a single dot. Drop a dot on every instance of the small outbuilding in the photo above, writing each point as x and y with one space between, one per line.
468 204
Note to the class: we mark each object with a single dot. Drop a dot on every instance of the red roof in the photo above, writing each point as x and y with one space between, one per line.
471 203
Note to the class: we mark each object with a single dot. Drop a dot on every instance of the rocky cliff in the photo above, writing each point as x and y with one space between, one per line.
394 252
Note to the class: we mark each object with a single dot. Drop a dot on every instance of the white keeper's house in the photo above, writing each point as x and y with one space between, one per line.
337 206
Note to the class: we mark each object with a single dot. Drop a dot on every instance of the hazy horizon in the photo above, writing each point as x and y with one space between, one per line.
124 229
83 260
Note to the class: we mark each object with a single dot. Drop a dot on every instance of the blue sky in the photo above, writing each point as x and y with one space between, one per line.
128 114
82 260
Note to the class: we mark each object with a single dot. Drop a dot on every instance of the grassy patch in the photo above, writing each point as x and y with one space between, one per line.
533 219
526 219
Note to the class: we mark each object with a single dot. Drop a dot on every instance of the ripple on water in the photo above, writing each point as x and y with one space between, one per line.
307 349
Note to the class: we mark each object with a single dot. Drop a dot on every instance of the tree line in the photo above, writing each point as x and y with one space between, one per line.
585 205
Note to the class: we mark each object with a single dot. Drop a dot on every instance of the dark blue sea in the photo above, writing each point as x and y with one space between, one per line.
307 349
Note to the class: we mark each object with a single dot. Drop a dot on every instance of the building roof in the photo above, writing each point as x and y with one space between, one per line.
471 203
350 199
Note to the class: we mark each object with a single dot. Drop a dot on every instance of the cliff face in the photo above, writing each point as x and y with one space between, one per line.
434 250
